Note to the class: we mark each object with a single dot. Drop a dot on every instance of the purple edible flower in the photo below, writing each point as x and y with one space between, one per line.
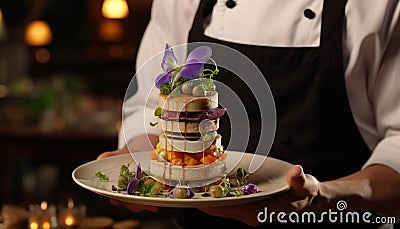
190 193
192 69
169 61
250 189
138 173
134 182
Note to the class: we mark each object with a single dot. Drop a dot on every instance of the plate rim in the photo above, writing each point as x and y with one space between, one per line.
177 203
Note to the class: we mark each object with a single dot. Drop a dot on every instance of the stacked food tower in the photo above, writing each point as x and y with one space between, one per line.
189 147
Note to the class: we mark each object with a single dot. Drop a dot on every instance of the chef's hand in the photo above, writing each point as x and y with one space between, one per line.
303 189
113 153
140 143
137 144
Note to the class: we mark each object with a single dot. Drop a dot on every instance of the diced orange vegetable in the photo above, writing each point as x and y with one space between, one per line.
177 158
149 181
168 155
197 156
158 148
177 161
177 155
208 159
153 155
209 152
189 160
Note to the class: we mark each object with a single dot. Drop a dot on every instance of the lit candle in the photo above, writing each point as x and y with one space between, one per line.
69 221
33 225
71 216
42 216
46 225
43 205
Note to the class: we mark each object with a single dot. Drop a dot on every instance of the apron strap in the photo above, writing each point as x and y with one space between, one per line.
333 20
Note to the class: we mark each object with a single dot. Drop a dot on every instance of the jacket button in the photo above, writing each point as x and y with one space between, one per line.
309 14
230 4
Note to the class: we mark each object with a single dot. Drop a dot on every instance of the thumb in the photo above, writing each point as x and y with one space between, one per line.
113 153
300 183
296 178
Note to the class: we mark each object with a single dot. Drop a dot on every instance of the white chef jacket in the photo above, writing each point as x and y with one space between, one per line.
371 43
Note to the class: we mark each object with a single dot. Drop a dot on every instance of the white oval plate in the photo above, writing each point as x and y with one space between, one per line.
270 180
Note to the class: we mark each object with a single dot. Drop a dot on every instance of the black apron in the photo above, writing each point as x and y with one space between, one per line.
315 126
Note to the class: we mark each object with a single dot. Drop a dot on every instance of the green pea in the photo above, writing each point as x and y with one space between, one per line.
199 91
187 88
180 193
216 191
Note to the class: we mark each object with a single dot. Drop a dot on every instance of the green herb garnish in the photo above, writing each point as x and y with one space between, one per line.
241 175
231 186
125 176
165 88
102 177
146 188
159 111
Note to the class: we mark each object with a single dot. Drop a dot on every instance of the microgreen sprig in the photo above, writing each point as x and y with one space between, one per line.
208 73
102 177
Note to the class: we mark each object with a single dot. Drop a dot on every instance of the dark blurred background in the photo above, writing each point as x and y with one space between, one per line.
64 70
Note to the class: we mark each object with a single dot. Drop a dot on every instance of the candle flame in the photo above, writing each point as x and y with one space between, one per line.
70 203
115 9
43 205
33 225
46 225
69 221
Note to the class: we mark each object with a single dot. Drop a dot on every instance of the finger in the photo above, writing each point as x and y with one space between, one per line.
114 201
296 178
134 207
301 184
112 153
138 208
106 154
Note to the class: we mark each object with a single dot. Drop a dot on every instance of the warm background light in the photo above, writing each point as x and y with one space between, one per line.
42 55
2 27
46 225
70 203
111 30
38 33
33 226
69 221
43 205
115 9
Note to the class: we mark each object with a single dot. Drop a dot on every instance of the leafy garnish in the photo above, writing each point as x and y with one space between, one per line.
242 175
102 177
125 176
165 88
235 185
139 184
147 186
159 111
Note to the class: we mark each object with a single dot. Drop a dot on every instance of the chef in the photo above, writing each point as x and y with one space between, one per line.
333 67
